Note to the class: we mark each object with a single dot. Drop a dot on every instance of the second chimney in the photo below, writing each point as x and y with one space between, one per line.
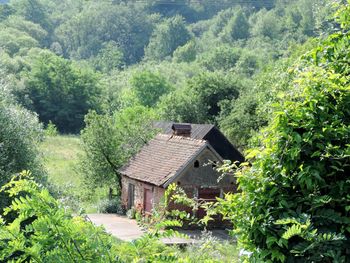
182 129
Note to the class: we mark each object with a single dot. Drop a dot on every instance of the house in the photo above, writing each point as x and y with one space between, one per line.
184 154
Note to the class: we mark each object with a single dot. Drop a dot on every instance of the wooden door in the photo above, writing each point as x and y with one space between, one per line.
131 195
207 195
148 198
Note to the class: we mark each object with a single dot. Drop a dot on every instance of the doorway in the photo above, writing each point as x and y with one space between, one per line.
148 198
131 195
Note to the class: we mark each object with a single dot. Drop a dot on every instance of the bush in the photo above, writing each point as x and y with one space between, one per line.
51 129
44 232
131 213
112 206
20 133
294 200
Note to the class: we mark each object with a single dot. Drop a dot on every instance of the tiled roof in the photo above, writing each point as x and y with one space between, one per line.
162 158
198 131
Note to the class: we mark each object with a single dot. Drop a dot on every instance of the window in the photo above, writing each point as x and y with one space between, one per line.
196 164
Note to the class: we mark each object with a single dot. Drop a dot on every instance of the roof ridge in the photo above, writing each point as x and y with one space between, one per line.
171 136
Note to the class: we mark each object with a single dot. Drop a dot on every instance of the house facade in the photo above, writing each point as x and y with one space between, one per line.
175 157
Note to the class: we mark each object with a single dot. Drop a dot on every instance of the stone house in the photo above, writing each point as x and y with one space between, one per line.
185 155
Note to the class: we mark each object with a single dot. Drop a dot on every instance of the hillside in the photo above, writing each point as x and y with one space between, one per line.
82 83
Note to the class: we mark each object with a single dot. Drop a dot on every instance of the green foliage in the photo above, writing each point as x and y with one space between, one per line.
19 136
223 57
61 92
181 106
110 206
109 57
13 40
85 33
237 28
185 53
32 10
149 87
166 38
110 140
294 198
44 232
266 24
210 89
51 129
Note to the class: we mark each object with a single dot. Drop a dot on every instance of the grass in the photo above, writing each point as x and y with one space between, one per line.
61 158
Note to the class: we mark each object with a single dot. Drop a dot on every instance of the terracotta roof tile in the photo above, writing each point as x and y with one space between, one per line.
161 159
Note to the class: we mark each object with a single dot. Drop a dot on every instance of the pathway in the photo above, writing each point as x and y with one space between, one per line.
119 226
127 229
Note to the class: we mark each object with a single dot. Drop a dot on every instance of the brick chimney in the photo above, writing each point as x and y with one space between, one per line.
182 129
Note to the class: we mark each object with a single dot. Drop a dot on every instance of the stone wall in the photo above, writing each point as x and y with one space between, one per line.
158 192
192 180
204 176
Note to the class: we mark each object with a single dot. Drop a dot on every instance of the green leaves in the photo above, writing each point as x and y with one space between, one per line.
43 232
109 140
294 197
61 92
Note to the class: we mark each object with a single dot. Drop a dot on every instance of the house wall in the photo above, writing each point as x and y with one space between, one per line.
140 187
193 180
205 176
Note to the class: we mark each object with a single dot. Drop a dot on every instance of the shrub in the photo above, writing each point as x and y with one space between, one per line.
294 200
131 213
51 129
44 232
20 133
112 206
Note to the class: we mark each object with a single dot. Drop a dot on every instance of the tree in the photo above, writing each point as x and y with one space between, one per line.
84 34
181 106
212 88
223 57
32 10
294 200
109 57
110 140
266 23
61 92
237 28
149 87
13 40
186 53
166 37
19 136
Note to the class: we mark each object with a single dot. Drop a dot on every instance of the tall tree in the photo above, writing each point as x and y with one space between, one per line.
109 140
166 37
61 92
149 87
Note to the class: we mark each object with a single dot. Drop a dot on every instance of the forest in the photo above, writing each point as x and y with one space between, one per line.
88 78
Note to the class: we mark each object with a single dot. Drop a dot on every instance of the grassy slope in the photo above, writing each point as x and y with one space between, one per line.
61 158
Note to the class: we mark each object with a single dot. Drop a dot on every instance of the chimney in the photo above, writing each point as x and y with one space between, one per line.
182 129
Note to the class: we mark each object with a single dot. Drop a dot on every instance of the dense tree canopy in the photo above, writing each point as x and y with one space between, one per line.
61 92
107 69
166 37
